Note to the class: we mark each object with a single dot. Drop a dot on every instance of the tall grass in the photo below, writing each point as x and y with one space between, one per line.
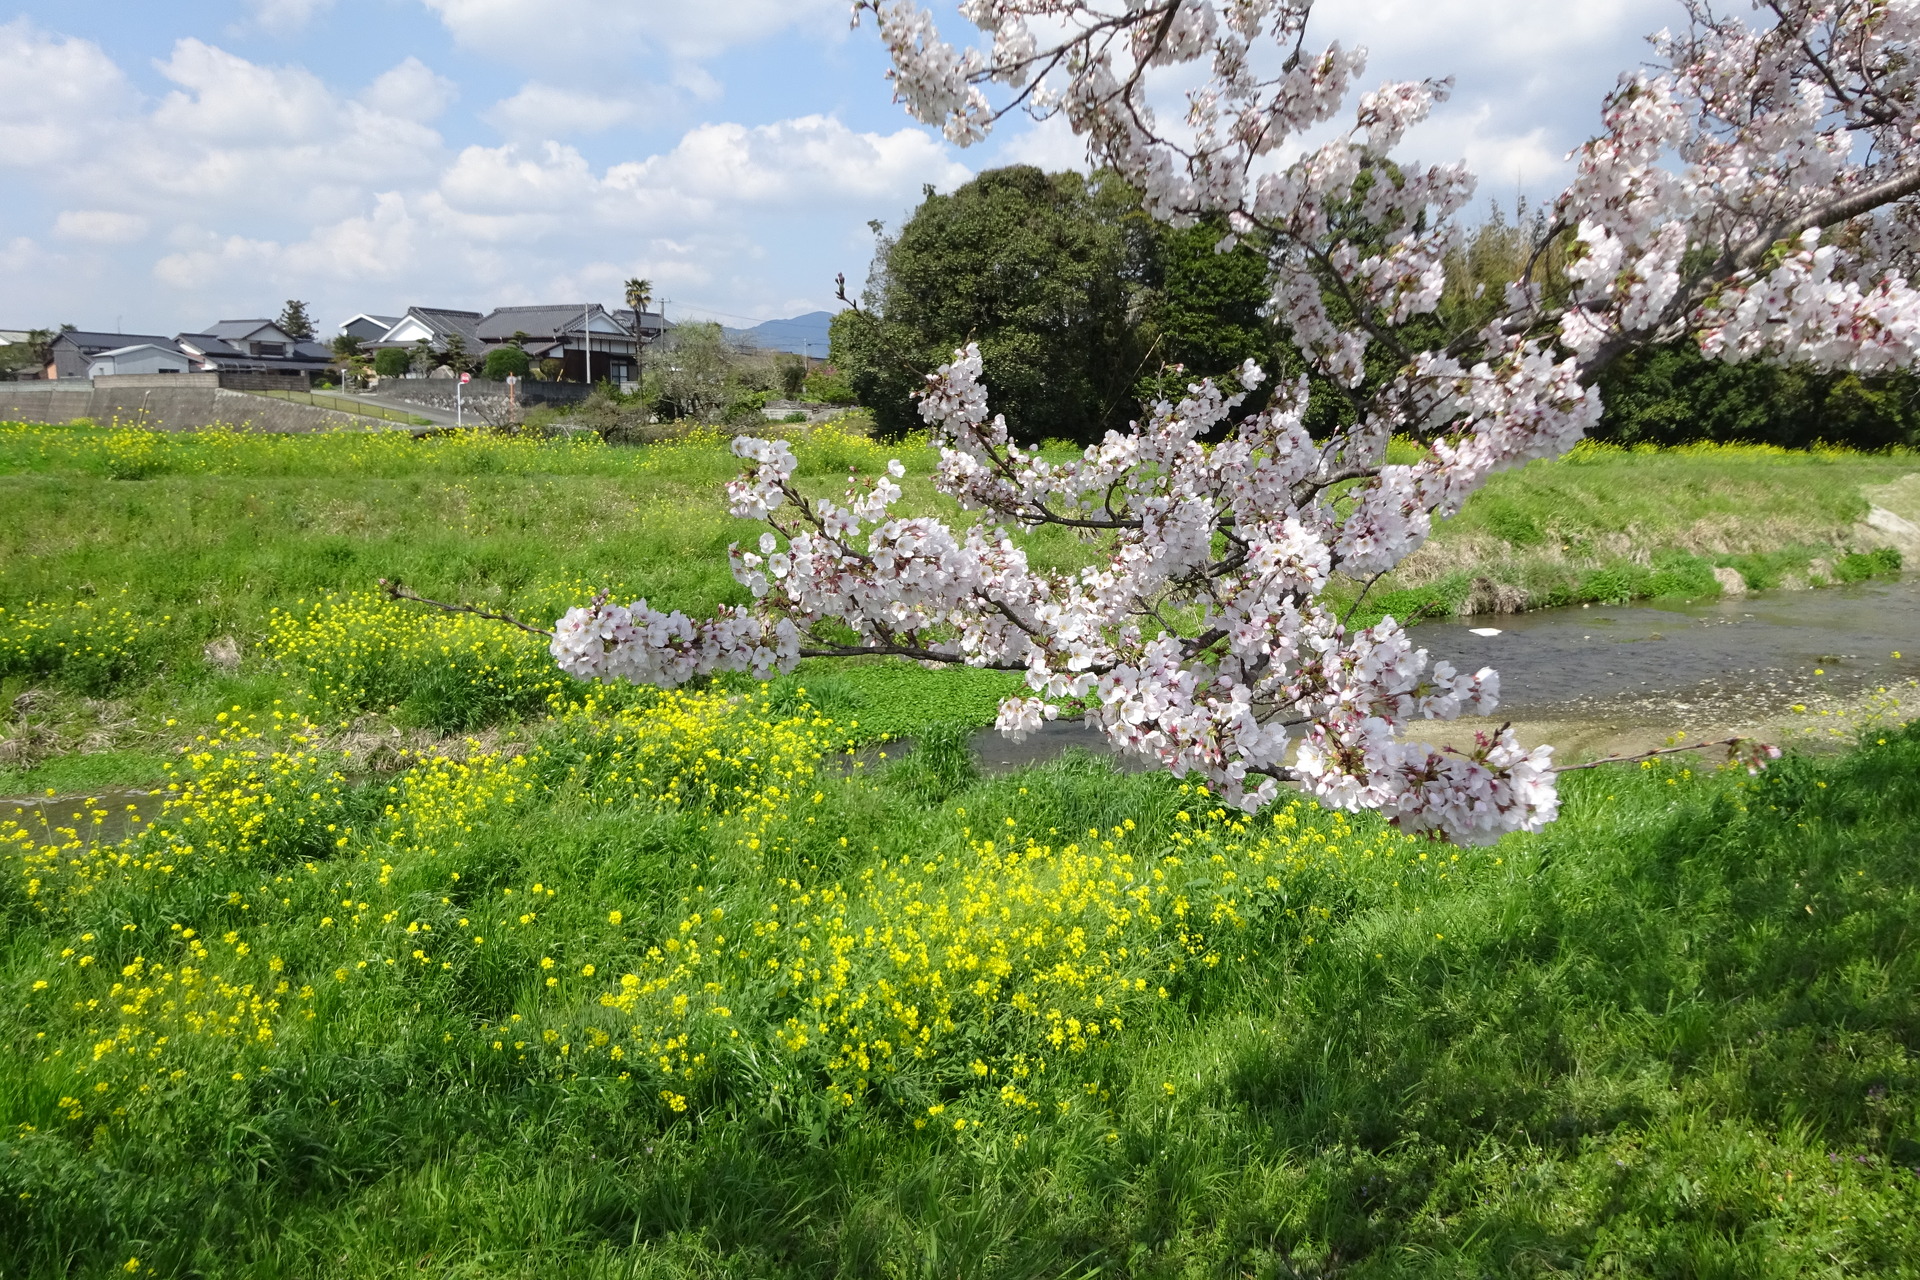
675 985
1674 1035
204 543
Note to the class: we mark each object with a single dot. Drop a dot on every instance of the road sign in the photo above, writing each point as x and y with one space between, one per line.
465 378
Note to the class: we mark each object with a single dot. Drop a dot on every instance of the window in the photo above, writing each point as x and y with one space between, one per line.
269 348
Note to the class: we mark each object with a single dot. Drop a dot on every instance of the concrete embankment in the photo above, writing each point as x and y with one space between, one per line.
168 402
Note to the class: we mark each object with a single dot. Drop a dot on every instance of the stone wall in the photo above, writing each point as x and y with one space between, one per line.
166 402
781 410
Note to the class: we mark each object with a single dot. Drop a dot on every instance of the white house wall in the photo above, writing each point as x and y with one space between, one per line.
407 331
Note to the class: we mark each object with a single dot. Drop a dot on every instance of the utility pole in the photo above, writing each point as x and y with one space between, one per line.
586 335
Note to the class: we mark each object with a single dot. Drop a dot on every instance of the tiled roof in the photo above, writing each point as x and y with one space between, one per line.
539 322
444 322
93 343
232 329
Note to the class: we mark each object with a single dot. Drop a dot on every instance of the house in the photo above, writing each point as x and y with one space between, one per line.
434 325
564 333
73 350
368 327
140 357
648 326
253 346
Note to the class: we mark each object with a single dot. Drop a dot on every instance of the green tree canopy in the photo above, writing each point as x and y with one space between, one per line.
1081 304
696 374
1201 310
294 321
457 357
422 356
391 362
502 361
1033 266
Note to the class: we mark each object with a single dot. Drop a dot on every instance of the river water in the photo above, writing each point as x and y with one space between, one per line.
1601 667
1720 661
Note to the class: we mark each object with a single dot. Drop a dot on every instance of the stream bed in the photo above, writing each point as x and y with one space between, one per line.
1724 660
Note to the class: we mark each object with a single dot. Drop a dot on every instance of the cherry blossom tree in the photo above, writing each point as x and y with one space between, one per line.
1755 191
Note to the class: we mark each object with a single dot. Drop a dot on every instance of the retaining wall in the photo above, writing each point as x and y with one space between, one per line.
167 402
437 393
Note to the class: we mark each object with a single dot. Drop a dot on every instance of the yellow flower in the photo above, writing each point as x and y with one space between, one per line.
613 917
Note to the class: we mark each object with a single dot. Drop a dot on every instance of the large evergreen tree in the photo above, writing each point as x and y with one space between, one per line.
1033 266
294 321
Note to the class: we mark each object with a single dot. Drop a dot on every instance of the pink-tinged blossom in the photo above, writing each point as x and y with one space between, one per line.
1755 193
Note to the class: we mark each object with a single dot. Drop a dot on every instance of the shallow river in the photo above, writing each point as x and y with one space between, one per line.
1721 661
1735 660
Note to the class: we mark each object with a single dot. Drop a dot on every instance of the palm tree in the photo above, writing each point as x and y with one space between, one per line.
639 295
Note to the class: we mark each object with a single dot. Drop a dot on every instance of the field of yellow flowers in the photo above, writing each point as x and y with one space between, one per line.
575 981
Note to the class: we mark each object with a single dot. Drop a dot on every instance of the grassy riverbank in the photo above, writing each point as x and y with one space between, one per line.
1606 525
659 995
431 963
149 578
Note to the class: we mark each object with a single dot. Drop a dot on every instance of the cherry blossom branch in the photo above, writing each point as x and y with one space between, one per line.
1723 198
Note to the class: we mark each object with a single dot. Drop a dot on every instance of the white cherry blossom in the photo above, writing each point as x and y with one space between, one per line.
1756 192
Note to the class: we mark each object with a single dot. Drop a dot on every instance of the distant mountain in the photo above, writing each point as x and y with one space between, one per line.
802 335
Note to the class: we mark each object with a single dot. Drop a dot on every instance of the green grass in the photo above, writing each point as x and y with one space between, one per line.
214 532
1673 1036
1606 525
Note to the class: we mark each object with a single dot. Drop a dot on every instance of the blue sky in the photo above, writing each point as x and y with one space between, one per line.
166 165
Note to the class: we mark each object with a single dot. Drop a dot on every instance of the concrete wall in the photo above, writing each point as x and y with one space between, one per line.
166 402
437 393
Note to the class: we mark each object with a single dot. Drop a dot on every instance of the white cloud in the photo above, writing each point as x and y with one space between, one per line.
56 94
244 182
100 226
536 31
410 91
1048 144
1529 77
286 15
541 111
531 223
809 158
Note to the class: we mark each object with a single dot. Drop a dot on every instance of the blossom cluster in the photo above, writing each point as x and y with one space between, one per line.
1725 197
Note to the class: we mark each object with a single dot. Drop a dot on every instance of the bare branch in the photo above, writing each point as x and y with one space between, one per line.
397 592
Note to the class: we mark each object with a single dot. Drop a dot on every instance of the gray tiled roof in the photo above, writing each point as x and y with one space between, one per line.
93 343
538 322
232 329
208 344
444 322
649 324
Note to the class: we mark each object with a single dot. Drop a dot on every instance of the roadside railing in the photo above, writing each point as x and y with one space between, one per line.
341 404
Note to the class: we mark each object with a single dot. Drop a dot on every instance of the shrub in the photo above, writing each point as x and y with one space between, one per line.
391 362
828 386
1858 566
89 647
363 652
502 361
